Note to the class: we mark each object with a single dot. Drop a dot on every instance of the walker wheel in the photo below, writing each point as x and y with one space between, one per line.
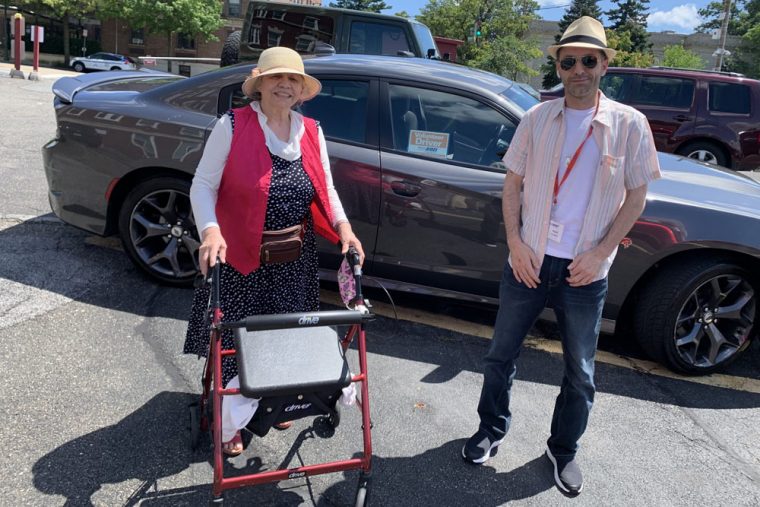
195 425
362 491
334 419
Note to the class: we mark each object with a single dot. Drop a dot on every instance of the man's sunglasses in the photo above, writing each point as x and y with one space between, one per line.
588 61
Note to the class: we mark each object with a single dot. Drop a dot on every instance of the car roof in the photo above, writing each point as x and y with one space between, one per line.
679 72
394 67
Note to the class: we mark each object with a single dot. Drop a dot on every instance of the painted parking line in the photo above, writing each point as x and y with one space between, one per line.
745 384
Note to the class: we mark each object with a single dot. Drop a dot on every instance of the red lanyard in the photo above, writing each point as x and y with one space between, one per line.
557 182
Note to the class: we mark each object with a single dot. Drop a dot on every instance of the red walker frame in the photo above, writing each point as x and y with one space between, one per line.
213 374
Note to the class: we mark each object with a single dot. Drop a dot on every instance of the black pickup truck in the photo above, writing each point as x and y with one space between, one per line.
310 30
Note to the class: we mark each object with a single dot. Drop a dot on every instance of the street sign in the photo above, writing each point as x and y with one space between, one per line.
38 29
84 32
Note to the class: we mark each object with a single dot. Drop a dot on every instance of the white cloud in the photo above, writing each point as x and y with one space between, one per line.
552 3
685 17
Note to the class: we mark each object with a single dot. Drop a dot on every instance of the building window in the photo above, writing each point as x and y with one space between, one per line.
305 43
254 37
185 41
273 37
233 8
137 37
310 22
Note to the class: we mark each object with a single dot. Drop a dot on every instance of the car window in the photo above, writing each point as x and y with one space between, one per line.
294 29
617 86
341 109
96 56
664 91
377 39
446 126
729 98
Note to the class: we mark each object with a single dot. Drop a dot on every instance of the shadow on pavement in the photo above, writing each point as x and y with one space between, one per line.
149 444
441 477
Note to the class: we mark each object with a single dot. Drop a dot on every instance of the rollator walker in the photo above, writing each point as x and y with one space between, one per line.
295 365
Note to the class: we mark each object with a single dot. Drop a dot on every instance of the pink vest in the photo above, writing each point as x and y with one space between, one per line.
244 189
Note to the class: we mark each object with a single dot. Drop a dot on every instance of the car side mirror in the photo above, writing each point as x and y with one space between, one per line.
431 53
323 49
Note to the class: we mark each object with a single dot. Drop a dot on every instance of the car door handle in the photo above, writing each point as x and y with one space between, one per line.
681 117
405 189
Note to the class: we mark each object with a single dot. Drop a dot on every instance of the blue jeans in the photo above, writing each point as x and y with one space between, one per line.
579 313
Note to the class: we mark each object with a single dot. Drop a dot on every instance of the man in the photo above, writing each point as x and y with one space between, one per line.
583 164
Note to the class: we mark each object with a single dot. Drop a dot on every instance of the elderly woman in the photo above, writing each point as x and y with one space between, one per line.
264 174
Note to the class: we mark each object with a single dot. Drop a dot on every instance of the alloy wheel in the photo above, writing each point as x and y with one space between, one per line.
715 321
163 233
704 156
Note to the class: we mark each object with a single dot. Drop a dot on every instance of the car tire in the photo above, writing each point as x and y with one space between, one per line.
231 50
697 317
158 232
705 151
78 66
115 68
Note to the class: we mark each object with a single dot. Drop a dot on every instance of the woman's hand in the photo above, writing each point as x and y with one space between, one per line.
213 246
348 239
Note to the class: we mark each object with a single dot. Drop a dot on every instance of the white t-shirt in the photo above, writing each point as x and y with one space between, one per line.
208 175
575 192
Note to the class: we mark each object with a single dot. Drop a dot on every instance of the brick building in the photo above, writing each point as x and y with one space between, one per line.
118 37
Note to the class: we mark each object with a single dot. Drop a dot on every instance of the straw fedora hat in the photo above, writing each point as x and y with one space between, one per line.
584 32
280 60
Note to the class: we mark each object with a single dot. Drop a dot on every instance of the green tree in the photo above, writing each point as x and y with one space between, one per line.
629 20
361 5
169 17
403 14
65 11
626 56
577 9
712 15
678 56
505 44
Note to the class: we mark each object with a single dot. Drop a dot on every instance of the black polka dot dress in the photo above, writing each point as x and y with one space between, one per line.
272 288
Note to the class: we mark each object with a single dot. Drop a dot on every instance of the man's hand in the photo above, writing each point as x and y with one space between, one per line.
525 265
213 246
584 268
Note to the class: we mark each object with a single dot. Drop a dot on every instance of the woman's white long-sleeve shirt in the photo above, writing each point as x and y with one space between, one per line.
208 175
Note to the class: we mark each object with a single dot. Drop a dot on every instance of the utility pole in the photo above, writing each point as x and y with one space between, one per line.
6 34
723 33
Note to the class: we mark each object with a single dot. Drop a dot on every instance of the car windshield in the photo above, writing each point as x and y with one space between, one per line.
425 38
520 97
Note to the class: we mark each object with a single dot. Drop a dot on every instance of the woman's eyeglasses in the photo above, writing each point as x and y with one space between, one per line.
588 61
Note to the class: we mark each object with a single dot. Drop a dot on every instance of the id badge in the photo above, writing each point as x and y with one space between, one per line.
555 231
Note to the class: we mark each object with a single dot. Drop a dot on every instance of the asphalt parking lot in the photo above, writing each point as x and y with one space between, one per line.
95 394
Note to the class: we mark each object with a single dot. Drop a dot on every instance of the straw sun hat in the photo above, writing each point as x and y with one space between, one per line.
280 60
584 32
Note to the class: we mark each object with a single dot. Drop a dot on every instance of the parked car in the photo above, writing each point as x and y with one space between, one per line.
711 116
313 29
103 61
415 147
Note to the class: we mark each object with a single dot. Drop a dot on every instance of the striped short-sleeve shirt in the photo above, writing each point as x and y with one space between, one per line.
628 160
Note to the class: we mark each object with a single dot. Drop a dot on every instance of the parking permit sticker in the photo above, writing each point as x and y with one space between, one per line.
434 144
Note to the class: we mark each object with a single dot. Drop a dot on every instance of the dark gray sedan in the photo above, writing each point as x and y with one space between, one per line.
415 148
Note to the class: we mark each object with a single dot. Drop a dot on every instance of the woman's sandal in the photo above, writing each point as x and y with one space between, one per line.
234 447
284 425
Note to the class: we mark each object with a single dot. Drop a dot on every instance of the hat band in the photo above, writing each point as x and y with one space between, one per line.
583 38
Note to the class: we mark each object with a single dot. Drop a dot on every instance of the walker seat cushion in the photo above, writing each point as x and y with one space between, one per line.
290 361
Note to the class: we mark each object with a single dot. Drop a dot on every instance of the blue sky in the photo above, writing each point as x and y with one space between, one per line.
677 15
